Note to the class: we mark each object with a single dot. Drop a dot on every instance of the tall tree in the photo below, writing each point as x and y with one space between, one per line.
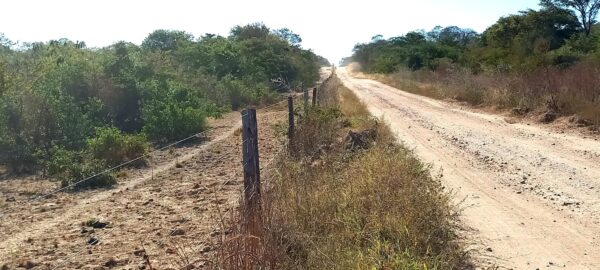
166 40
587 10
289 36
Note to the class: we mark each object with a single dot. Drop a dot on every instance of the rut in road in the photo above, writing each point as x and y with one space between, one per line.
530 195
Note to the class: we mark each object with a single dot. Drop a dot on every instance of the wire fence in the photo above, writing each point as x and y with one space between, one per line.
101 237
98 238
123 164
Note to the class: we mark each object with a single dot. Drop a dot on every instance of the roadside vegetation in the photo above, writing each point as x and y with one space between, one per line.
69 111
538 61
346 195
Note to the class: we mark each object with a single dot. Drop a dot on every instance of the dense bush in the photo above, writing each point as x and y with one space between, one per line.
76 173
174 110
113 147
54 95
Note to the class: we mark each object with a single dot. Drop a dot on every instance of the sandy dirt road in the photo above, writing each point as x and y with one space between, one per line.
531 196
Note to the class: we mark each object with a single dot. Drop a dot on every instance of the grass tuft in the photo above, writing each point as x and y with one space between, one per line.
332 207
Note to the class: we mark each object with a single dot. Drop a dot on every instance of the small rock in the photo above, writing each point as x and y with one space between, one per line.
549 117
580 121
93 241
215 233
27 264
568 203
11 199
520 111
96 223
170 251
489 249
148 202
139 252
100 225
361 139
112 262
176 232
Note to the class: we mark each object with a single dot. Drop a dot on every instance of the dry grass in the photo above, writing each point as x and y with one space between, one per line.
331 206
571 91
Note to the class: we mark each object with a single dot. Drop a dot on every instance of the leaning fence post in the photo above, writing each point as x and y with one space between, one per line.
291 117
305 100
314 96
251 160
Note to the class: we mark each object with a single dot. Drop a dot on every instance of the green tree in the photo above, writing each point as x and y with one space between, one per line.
287 34
166 40
587 10
254 30
173 110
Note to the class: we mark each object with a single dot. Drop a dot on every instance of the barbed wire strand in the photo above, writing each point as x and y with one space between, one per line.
114 168
98 239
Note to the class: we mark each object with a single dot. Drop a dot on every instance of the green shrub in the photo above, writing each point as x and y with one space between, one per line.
76 172
113 147
318 129
60 161
240 92
174 110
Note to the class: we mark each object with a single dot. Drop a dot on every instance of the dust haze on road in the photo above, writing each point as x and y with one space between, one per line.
530 196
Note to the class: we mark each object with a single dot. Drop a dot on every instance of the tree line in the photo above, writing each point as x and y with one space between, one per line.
543 61
67 110
559 34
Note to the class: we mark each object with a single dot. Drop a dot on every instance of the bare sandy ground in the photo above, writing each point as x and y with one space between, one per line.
169 215
531 196
172 212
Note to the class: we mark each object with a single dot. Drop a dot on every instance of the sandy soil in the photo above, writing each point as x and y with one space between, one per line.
170 211
530 195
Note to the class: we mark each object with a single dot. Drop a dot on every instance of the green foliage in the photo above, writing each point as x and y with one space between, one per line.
240 92
77 172
555 35
174 111
586 10
408 224
415 50
54 95
113 147
62 159
165 40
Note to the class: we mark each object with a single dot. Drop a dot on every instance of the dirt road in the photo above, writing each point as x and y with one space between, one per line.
531 196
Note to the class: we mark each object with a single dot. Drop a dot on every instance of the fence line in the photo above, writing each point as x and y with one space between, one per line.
98 238
40 197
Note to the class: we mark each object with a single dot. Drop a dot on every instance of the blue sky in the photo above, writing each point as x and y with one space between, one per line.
330 28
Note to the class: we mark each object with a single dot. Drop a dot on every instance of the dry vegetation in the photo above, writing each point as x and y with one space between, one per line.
564 92
347 196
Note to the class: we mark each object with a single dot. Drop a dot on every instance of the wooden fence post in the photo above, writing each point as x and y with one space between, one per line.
305 100
251 160
314 97
291 117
